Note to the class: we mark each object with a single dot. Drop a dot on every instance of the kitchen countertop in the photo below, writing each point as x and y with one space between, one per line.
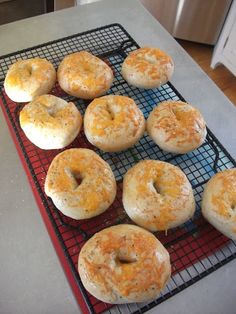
31 277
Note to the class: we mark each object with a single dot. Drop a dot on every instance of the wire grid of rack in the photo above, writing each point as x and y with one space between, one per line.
196 248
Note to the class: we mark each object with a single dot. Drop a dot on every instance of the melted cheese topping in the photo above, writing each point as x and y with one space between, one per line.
179 121
98 182
150 61
124 260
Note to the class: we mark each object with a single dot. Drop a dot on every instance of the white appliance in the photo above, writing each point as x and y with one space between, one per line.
225 50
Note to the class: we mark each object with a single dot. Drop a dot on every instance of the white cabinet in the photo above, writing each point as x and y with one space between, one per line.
225 50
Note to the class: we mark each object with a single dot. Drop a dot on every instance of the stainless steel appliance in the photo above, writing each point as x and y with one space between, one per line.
195 20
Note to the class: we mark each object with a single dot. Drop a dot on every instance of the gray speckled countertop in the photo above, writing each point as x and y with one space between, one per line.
31 278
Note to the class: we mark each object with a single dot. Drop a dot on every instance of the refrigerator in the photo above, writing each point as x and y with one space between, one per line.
195 20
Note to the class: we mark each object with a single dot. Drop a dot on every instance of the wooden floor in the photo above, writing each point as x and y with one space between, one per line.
223 78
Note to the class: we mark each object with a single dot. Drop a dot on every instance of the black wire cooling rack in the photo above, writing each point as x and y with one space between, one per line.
196 248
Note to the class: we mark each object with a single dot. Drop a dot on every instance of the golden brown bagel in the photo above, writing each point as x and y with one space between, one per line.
113 123
27 79
219 202
83 75
157 195
147 68
123 264
89 198
50 122
176 127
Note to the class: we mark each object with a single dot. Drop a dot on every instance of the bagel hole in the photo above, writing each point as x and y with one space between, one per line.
126 258
74 176
150 59
110 112
177 114
52 111
30 70
157 188
233 207
78 179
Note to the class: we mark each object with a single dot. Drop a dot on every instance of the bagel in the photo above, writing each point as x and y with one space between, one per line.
123 264
157 195
27 79
219 202
176 127
50 122
83 75
91 196
113 123
147 68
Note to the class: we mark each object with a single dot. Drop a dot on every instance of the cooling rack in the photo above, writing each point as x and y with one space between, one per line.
196 248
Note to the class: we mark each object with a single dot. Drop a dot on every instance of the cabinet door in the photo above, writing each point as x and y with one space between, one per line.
229 51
